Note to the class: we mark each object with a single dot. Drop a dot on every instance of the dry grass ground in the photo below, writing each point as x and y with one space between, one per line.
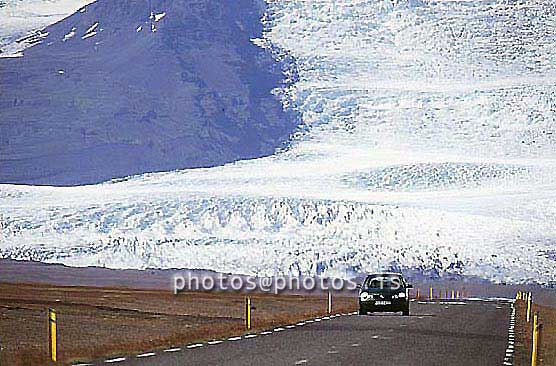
97 322
547 350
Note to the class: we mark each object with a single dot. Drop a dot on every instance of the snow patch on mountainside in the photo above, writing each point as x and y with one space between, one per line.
20 19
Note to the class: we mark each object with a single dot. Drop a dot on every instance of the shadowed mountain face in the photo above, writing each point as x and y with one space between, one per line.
135 86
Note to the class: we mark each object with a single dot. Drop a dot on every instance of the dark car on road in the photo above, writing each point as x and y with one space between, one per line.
384 292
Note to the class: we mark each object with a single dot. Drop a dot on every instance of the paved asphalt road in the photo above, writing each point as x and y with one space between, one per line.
471 333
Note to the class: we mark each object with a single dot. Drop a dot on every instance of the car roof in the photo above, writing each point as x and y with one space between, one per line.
385 274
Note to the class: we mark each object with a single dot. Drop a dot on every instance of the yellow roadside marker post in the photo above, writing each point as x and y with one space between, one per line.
329 309
457 294
446 293
430 293
248 313
536 331
52 334
528 307
417 295
453 294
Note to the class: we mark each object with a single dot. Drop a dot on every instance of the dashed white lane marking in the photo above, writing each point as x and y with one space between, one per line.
177 349
213 342
143 355
333 352
114 360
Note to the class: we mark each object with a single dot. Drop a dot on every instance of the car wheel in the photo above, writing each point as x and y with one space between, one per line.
406 312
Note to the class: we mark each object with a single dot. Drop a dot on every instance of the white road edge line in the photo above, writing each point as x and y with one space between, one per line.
509 355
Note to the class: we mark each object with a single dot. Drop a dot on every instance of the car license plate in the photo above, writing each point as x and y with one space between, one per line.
383 302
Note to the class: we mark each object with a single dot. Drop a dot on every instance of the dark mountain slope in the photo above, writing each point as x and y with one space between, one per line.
155 85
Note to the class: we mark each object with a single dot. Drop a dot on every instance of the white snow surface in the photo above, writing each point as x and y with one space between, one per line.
428 143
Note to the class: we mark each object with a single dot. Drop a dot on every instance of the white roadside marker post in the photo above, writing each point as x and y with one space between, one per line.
528 307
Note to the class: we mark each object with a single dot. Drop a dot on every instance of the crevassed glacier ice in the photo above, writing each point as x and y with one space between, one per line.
428 142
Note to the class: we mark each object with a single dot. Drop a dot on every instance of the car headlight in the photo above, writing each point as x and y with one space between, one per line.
401 295
364 296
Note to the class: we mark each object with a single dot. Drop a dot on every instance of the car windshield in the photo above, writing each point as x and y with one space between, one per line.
392 282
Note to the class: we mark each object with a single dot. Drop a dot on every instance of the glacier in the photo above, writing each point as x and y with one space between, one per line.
427 143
